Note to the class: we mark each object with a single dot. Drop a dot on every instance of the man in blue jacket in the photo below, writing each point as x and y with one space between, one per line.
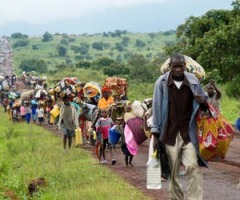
177 97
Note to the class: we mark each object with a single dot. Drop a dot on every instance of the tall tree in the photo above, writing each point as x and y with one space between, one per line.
213 40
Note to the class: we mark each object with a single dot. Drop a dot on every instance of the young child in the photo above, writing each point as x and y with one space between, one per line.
34 106
27 111
102 128
40 114
127 116
124 149
22 112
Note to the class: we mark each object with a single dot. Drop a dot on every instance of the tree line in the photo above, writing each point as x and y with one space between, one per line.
214 41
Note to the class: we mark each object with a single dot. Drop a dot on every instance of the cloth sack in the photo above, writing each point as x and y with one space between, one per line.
214 134
191 65
137 127
137 108
130 141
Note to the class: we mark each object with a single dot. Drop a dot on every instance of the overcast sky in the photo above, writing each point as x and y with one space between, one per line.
34 17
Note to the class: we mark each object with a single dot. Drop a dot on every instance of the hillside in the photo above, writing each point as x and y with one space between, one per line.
70 49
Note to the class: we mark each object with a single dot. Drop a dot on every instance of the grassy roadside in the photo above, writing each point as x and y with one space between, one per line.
29 151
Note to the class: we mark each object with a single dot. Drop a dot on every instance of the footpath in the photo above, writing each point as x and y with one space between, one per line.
221 180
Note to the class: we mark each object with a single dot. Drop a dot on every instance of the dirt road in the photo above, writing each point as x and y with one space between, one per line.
221 181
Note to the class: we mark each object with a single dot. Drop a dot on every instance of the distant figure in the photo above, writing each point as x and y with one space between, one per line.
68 122
214 95
5 103
22 111
28 112
40 114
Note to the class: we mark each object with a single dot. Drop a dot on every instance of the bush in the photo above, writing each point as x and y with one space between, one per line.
34 47
20 43
34 65
83 64
98 45
233 87
62 51
140 43
47 37
19 36
64 42
104 61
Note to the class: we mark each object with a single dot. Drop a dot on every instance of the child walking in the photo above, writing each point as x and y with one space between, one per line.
28 112
102 127
120 129
22 111
40 114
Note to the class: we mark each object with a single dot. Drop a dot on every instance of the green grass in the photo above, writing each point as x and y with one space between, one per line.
29 151
230 106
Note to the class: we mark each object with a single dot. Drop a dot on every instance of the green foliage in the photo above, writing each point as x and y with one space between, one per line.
34 65
139 68
80 43
167 33
104 61
62 50
119 47
47 37
98 45
116 69
125 41
140 43
83 50
21 43
117 33
34 47
19 36
215 73
233 87
83 64
61 66
64 42
212 40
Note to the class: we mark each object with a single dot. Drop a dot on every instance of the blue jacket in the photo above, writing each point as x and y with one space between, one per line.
160 108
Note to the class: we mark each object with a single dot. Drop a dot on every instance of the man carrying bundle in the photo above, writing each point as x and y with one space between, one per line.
177 97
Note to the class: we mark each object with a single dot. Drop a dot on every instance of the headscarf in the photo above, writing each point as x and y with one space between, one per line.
106 89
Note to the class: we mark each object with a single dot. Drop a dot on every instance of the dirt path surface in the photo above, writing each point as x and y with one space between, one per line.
221 181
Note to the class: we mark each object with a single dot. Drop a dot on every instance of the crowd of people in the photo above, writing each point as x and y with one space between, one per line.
177 97
67 114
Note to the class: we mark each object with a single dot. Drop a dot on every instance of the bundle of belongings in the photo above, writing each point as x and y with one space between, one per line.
66 87
92 90
13 95
191 65
117 85
4 86
214 134
27 95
